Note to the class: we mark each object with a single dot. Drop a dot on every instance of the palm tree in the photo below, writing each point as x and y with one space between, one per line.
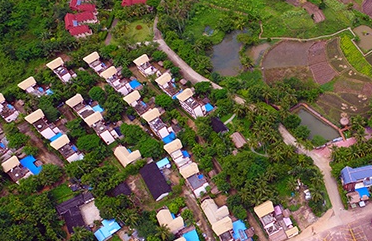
163 232
239 110
270 174
292 183
316 194
131 217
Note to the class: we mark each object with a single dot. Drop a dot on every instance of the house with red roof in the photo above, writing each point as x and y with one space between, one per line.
132 2
81 6
74 20
80 31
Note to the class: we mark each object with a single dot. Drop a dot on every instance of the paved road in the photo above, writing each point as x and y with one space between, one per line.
337 218
109 36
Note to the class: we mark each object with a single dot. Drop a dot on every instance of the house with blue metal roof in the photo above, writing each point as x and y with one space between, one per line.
355 178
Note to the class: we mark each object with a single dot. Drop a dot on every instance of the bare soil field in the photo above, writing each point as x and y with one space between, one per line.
318 62
314 11
295 3
287 54
369 58
365 35
276 74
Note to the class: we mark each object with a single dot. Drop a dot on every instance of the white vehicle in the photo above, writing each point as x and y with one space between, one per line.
307 194
362 204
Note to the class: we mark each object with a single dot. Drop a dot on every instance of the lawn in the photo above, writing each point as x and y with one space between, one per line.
226 117
62 193
138 31
204 17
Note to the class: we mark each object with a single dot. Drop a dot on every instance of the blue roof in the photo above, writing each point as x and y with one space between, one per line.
40 89
175 96
208 107
191 236
134 84
56 136
185 153
169 138
98 108
2 145
28 162
109 228
163 162
363 192
239 230
49 92
74 148
10 106
351 175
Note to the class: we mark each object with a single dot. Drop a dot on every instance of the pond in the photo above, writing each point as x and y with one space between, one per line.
225 55
316 126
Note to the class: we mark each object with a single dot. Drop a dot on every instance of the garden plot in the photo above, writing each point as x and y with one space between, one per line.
314 11
318 62
277 74
287 54
335 56
367 7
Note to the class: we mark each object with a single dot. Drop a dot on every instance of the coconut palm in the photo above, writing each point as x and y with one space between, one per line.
163 232
316 194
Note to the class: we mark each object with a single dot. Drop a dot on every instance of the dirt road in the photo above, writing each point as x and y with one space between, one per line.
109 36
198 214
44 155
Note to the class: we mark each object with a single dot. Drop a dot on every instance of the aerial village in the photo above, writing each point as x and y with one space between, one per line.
177 120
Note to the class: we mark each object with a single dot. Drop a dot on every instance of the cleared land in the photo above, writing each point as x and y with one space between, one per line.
365 35
318 62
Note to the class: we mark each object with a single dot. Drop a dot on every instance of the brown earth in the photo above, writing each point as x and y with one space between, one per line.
314 11
276 74
318 62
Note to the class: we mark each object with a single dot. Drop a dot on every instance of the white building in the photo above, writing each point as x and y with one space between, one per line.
7 111
144 66
194 179
93 60
68 151
57 66
37 119
191 105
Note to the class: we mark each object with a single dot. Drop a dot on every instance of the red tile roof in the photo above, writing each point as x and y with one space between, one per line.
132 2
79 30
79 6
84 16
69 18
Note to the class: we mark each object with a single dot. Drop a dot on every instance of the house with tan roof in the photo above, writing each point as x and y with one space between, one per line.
174 150
194 179
144 66
30 86
165 83
192 106
94 61
134 99
57 66
265 212
219 218
92 118
63 145
113 76
126 156
156 124
38 120
14 169
7 111
175 224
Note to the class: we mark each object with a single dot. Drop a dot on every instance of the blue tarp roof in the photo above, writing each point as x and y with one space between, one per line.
175 96
56 136
239 228
363 192
134 84
350 175
49 92
185 153
10 106
98 108
40 89
191 236
109 228
208 107
28 162
2 145
163 162
74 148
169 138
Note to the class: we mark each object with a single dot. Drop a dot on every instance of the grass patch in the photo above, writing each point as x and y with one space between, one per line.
115 238
283 189
206 16
294 208
354 57
328 86
226 117
139 34
61 193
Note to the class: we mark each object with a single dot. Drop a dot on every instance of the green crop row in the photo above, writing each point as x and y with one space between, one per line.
354 57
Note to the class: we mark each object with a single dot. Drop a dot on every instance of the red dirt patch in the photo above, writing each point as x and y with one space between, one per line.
319 66
314 11
277 74
367 7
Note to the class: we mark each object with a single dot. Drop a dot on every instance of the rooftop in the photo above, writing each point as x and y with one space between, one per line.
155 180
122 188
218 126
264 209
196 181
351 175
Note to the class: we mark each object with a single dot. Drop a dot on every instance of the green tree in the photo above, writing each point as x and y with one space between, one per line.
46 105
318 140
132 133
50 174
239 212
82 234
163 232
159 56
292 121
203 88
88 142
98 94
75 128
150 147
301 132
31 150
165 101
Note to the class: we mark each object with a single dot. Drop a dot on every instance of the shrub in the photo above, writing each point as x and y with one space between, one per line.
159 56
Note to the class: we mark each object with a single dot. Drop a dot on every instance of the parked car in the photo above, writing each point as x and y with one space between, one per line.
307 194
